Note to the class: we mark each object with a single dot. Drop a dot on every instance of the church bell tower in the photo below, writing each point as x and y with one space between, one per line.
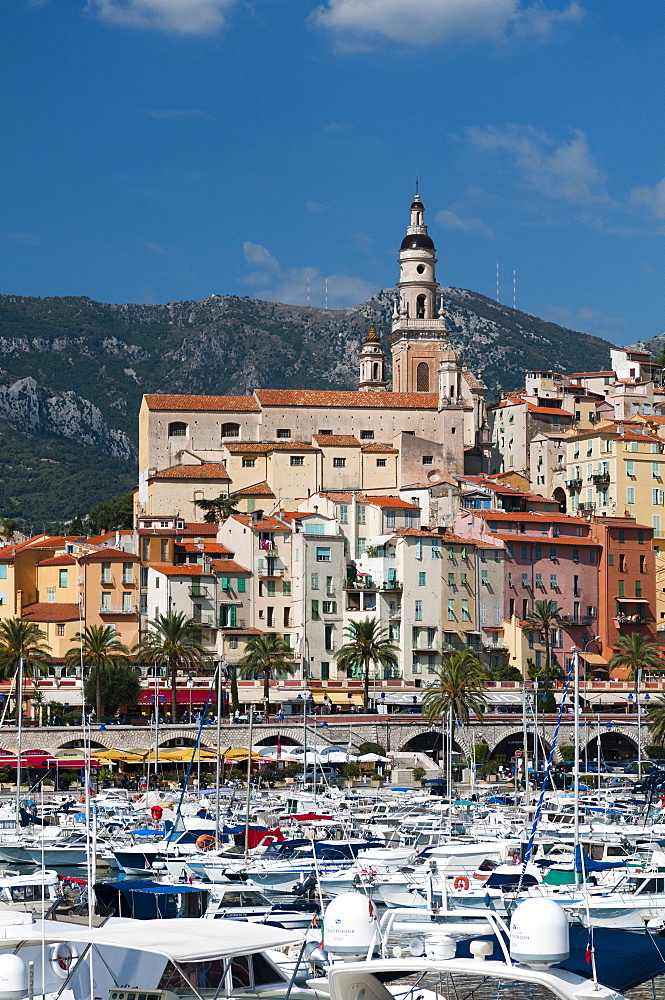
372 364
419 329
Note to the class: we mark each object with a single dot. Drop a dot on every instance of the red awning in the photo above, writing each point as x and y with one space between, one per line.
199 696
44 760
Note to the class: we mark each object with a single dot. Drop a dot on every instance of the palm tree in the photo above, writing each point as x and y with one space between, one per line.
218 509
368 645
459 688
265 656
542 618
656 720
22 639
172 640
635 651
97 647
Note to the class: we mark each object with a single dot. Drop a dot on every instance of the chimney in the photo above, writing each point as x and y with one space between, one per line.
257 515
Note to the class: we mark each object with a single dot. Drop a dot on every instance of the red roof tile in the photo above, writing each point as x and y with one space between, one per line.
545 540
422 533
336 440
548 410
223 404
209 470
61 560
265 447
356 400
266 523
100 539
228 566
198 528
242 631
109 555
51 613
212 548
380 449
181 570
391 502
258 490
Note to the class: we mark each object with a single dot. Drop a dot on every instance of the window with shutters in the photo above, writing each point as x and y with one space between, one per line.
62 578
525 579
554 583
323 553
451 609
330 607
655 522
315 611
539 580
483 614
360 513
422 377
315 581
241 585
343 513
466 617
630 469
621 584
270 588
422 579
630 494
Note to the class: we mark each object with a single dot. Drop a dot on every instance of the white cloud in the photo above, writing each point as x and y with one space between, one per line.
450 219
427 22
565 171
315 206
25 239
586 319
185 17
651 197
300 285
157 249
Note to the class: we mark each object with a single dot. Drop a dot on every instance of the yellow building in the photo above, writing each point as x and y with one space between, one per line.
618 469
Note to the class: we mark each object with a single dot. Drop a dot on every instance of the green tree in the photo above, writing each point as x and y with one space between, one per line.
99 649
266 656
543 617
116 513
172 640
76 527
8 528
368 646
22 638
120 685
218 509
635 651
458 687
369 747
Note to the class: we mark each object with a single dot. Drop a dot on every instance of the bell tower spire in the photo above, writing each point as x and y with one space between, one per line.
419 328
372 364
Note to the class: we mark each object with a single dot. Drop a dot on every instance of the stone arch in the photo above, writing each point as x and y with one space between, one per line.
271 741
504 750
614 745
422 377
178 741
560 496
430 741
80 744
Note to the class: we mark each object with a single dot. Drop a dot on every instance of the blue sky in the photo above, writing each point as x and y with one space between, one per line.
158 150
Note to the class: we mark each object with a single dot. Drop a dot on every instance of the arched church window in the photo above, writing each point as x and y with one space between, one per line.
420 307
422 377
376 372
177 429
230 430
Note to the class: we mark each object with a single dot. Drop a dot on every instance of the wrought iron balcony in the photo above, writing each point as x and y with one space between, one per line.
574 484
601 478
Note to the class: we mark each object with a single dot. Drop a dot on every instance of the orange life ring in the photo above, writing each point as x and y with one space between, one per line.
206 843
461 882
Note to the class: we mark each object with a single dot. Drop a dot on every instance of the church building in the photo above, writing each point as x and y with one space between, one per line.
274 447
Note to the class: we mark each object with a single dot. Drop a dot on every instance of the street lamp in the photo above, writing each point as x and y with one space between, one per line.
190 687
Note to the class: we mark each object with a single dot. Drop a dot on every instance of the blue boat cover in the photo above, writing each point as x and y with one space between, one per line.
594 866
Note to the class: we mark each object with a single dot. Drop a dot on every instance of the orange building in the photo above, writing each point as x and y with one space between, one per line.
110 589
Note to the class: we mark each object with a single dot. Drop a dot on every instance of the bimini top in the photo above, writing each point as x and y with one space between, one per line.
187 939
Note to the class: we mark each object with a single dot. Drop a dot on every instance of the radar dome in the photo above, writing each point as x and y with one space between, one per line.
539 933
350 924
13 977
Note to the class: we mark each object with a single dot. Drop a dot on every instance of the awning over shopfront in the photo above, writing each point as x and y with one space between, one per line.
504 697
198 695
339 697
594 659
401 698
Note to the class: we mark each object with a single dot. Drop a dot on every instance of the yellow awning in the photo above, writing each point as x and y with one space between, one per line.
343 697
121 755
239 753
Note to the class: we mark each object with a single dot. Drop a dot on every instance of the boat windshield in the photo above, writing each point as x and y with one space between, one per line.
204 978
455 986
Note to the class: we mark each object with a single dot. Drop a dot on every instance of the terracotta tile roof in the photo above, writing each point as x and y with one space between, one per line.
212 548
47 613
209 470
100 539
545 540
109 555
471 380
336 440
419 533
198 528
267 523
265 447
356 400
380 449
597 374
223 404
258 490
530 516
548 410
391 502
228 566
61 560
181 570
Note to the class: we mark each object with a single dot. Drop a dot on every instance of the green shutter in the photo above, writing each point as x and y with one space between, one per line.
242 585
315 611
334 607
232 617
226 583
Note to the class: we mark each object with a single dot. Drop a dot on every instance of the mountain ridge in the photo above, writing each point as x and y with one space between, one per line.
75 369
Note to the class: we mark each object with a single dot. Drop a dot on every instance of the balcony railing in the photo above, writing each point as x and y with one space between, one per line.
574 484
601 478
587 506
207 620
106 580
267 568
123 609
199 592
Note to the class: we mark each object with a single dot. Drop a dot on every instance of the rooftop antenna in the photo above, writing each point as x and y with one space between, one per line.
497 281
416 184
514 289
308 291
326 292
